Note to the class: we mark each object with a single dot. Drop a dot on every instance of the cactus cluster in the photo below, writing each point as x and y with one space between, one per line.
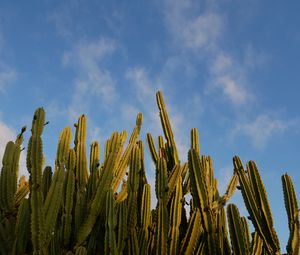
94 207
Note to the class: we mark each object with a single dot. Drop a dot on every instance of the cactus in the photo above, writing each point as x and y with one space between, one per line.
175 218
47 179
69 188
145 218
105 207
172 150
81 172
22 191
22 228
110 236
255 197
122 225
161 188
237 231
54 200
97 205
35 165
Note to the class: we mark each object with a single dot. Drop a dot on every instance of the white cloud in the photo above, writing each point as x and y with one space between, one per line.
229 77
191 30
92 78
232 89
141 83
263 128
201 29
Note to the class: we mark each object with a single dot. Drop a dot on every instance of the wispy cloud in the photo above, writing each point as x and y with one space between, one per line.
190 29
200 29
92 78
263 128
7 76
229 76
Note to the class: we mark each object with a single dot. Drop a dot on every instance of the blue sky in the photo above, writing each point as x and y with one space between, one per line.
229 68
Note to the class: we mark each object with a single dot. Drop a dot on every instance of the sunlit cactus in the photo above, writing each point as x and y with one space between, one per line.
103 206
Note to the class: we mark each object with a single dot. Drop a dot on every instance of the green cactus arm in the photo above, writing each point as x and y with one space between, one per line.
35 162
94 169
173 178
161 180
175 218
222 240
189 243
110 235
8 178
104 184
47 179
195 140
81 250
123 162
69 189
261 194
228 194
236 230
132 187
259 218
22 230
260 191
290 200
13 172
135 165
122 226
292 209
167 127
187 184
80 210
247 234
151 147
293 246
210 179
256 244
199 188
94 156
161 148
145 219
146 207
81 172
161 188
22 191
132 242
161 234
53 202
63 146
54 199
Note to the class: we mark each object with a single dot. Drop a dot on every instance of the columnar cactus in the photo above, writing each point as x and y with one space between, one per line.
257 204
35 166
105 207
